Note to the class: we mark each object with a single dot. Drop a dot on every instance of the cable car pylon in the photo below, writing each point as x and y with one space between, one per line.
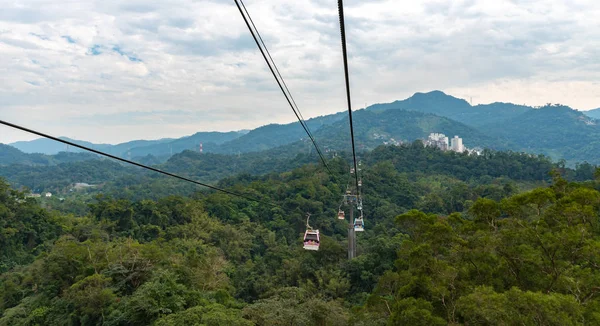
351 198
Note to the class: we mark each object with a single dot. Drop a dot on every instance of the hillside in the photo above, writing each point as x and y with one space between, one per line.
595 113
234 142
566 134
557 131
209 140
209 167
206 167
275 135
373 128
462 243
51 147
58 178
10 155
444 105
135 148
123 148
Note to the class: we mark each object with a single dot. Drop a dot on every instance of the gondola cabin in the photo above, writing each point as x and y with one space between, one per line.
359 224
341 215
311 240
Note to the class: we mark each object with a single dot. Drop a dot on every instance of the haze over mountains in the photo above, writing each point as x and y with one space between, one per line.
554 130
595 113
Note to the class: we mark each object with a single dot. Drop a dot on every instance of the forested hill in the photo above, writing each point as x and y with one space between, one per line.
131 182
484 251
10 155
595 113
444 105
554 130
371 129
160 147
557 131
51 147
209 140
275 135
262 138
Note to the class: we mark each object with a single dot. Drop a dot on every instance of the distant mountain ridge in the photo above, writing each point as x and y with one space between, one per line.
554 130
10 155
275 135
233 142
557 131
159 147
373 128
439 103
595 113
209 141
51 147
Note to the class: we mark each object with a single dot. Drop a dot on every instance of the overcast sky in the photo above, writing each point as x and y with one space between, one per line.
112 71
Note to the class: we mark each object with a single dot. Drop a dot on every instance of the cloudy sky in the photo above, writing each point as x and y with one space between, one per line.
112 71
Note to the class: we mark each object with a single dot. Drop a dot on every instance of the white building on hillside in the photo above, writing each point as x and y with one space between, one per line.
437 140
457 144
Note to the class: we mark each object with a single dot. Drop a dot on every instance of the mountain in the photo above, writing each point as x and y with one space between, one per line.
373 128
134 148
209 141
123 148
595 113
555 130
11 155
51 147
275 135
441 104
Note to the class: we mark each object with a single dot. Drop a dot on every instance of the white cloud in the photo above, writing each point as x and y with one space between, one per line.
110 71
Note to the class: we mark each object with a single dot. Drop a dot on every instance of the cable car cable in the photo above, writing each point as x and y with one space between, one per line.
274 64
305 127
296 109
346 74
136 164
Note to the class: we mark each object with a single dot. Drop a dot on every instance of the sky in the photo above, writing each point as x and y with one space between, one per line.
111 71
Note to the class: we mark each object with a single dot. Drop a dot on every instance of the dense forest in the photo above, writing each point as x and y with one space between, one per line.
208 167
498 239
